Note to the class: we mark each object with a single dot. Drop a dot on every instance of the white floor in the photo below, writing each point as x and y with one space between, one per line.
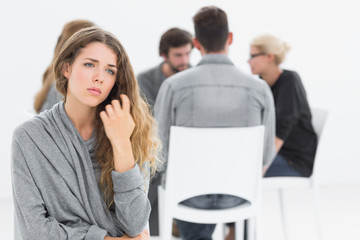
340 214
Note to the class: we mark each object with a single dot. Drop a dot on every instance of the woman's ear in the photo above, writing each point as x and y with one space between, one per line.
66 70
271 57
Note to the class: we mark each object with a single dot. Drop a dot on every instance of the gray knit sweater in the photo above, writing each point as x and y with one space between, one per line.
55 185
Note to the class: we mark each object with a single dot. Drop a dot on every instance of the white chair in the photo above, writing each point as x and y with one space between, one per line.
319 117
212 161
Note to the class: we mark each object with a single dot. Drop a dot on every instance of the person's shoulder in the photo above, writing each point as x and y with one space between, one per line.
290 75
22 130
288 80
181 78
34 125
248 80
148 72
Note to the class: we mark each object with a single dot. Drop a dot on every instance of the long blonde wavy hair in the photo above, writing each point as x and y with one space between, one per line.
144 139
48 77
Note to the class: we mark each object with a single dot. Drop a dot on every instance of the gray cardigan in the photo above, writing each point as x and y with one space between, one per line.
55 188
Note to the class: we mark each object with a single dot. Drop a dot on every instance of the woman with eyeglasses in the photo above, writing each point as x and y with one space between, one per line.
295 137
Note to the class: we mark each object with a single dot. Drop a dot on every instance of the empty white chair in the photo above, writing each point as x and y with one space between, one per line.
319 117
212 161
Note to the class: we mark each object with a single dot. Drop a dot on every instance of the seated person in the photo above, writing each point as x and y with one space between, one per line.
295 137
214 93
175 47
81 169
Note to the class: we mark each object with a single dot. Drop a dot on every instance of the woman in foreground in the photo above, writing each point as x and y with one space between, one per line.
81 169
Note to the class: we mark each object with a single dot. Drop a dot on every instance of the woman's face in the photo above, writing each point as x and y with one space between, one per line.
91 76
258 61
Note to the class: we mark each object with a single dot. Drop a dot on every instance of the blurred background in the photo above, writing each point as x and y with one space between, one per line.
324 36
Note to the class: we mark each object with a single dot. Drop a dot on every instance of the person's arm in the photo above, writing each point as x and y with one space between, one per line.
278 143
288 107
132 207
33 220
144 235
119 125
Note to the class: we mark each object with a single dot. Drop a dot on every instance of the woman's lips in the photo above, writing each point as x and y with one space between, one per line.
94 91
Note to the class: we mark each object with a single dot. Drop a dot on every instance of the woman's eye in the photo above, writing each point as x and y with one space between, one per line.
88 65
110 71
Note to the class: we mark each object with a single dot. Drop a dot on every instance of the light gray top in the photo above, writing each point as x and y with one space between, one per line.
52 98
55 184
150 82
216 94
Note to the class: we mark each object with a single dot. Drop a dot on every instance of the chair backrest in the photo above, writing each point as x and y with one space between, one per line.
319 117
214 161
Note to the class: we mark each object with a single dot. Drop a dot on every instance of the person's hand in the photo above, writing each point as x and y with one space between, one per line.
142 236
117 120
264 170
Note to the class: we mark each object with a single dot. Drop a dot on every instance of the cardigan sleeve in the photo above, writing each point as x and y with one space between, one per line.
132 206
33 220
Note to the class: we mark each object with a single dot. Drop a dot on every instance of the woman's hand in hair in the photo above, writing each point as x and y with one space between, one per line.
119 125
117 120
142 236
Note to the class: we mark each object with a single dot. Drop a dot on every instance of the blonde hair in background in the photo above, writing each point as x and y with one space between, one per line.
268 43
48 77
144 139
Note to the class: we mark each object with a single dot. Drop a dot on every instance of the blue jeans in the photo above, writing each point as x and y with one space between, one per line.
196 231
280 167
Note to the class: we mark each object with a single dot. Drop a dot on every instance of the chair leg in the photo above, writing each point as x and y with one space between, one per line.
239 230
258 227
165 217
316 201
224 230
251 227
283 214
219 232
166 232
160 211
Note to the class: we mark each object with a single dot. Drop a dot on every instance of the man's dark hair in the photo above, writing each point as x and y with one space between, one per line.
174 37
211 28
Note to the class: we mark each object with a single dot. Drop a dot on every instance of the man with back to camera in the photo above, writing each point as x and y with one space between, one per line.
214 94
175 48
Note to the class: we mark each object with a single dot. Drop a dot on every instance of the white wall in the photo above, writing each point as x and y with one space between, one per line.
324 36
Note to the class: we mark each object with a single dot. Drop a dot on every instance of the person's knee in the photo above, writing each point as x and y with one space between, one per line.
195 231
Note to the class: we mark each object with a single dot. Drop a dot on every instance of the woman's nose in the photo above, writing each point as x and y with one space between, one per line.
98 77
